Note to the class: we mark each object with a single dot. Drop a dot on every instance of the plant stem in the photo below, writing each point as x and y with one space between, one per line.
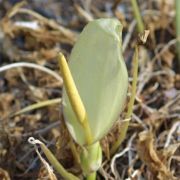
91 159
38 105
74 98
52 159
137 15
91 176
178 30
125 124
60 169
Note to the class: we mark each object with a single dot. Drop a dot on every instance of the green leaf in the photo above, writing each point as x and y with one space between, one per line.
100 75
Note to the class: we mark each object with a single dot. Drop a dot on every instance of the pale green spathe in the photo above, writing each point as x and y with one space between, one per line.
100 75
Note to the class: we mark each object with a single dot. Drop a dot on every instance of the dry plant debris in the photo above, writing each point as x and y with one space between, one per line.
4 175
157 161
36 31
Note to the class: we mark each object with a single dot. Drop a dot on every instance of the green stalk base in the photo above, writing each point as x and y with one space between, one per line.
92 176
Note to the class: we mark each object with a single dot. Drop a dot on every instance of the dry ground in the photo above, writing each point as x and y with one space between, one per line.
150 150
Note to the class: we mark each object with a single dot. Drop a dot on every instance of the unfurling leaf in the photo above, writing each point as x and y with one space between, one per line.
100 76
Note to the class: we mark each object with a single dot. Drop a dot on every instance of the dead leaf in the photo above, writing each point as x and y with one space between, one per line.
168 57
4 174
177 81
43 174
167 153
150 156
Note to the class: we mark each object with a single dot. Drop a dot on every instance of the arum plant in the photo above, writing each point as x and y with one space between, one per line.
95 94
95 89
